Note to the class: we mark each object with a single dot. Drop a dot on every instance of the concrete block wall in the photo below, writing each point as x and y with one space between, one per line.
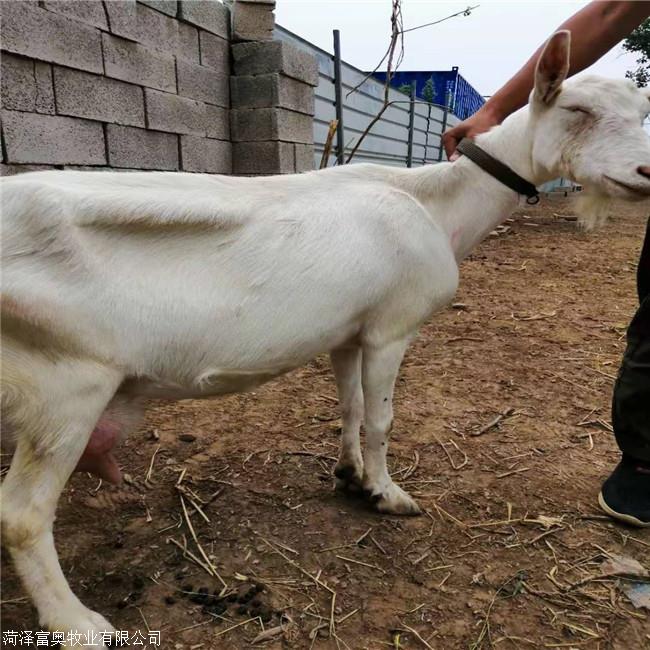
116 84
272 100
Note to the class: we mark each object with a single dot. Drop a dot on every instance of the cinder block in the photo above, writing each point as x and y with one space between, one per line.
98 98
123 18
159 32
29 30
271 90
141 149
156 31
33 138
215 52
217 122
254 158
169 7
253 21
204 84
135 63
95 168
187 45
99 168
304 154
208 14
205 155
87 11
174 114
259 124
12 170
26 85
275 56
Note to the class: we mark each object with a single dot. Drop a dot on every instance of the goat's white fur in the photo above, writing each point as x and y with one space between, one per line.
119 286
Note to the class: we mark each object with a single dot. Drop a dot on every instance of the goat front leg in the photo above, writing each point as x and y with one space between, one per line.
379 372
55 425
346 363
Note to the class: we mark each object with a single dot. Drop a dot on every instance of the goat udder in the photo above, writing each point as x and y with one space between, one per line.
98 457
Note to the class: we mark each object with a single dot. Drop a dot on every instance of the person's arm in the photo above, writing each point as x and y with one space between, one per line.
595 29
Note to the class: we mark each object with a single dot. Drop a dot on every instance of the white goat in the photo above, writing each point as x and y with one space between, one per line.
124 286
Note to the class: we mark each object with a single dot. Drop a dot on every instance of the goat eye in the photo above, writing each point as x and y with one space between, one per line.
577 109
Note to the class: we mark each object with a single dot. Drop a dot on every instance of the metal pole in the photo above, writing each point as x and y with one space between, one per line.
409 153
340 137
444 124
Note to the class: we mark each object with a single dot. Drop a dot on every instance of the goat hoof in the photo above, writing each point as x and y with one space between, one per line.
394 501
348 478
345 472
85 622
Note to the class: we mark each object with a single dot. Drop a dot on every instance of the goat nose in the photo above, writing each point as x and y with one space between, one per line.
644 170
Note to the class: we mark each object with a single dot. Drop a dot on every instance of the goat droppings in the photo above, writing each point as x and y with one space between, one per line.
593 209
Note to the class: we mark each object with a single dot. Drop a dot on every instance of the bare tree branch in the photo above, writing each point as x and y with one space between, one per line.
394 56
396 25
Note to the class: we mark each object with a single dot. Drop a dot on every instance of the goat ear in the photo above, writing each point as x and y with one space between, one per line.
552 67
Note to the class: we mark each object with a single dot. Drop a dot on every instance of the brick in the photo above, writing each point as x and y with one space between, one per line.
205 155
141 149
262 158
258 124
253 21
304 154
135 63
33 138
215 51
169 7
211 15
156 31
47 36
86 11
12 170
98 98
26 85
275 56
204 84
271 90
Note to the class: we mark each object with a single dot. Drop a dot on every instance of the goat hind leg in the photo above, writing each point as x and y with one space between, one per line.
50 441
346 363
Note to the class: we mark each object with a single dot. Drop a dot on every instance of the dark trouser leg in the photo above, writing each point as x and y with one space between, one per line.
631 402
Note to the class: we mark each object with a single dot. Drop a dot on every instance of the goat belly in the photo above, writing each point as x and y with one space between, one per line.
98 458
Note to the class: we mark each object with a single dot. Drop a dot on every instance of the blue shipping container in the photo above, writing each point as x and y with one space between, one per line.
449 89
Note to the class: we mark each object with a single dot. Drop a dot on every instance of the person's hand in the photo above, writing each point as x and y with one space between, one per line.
483 120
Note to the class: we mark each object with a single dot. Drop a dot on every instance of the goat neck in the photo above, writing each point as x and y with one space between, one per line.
465 200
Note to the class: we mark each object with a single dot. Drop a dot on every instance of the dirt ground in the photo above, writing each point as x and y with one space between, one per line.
509 552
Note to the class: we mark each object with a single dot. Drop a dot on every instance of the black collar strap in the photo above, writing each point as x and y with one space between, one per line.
498 170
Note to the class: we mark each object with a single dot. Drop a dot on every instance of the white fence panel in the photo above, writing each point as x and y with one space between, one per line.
387 142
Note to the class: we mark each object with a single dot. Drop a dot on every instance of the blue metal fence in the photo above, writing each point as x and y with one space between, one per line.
446 88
